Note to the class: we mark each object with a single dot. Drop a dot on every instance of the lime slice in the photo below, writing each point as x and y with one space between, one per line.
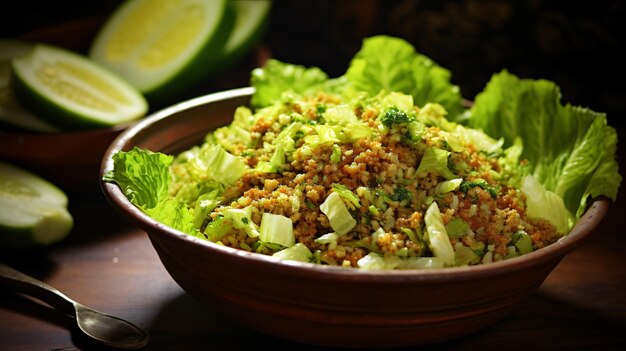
33 211
73 92
11 112
251 19
163 47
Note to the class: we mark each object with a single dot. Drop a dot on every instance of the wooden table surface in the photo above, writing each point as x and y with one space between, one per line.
111 266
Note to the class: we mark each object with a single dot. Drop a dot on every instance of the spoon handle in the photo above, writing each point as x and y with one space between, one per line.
28 285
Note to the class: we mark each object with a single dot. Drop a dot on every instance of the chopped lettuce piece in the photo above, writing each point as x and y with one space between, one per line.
241 218
522 242
298 252
330 239
436 161
205 204
456 228
375 261
277 229
284 144
338 134
217 228
335 156
338 215
448 186
461 136
463 255
341 115
438 236
238 131
351 199
543 203
216 163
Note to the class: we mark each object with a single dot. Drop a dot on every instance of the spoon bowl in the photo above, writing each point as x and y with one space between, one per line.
109 330
101 327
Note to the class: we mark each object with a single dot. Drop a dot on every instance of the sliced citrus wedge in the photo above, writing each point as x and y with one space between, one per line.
251 19
72 91
163 47
33 211
11 112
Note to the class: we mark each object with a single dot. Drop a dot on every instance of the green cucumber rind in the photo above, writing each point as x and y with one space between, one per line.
38 234
201 66
46 217
235 55
175 84
53 194
38 103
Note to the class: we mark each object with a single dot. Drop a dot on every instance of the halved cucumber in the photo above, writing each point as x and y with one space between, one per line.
33 211
163 47
73 92
11 112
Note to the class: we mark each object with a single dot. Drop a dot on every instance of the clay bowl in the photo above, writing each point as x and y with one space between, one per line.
325 305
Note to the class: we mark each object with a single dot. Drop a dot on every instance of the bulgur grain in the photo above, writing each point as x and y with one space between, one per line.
378 168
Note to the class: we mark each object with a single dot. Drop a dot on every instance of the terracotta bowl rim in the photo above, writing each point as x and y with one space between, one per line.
556 251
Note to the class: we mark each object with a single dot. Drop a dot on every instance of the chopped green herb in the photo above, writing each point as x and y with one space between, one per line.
480 183
400 194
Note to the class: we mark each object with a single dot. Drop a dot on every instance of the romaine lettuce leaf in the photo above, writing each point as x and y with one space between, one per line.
392 64
277 78
383 63
142 175
571 150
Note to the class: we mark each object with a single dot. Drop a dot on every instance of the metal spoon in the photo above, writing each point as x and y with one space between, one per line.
103 328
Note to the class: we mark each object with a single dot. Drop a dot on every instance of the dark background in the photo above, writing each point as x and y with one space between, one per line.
577 44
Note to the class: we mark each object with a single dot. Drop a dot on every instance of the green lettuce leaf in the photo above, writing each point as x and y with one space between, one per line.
383 63
277 78
392 64
176 214
571 149
142 175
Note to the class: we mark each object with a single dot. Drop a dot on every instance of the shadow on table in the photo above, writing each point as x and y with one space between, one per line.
41 311
187 324
559 325
191 325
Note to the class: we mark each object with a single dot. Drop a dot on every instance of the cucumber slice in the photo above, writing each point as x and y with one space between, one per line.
251 19
73 92
163 47
11 112
33 211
